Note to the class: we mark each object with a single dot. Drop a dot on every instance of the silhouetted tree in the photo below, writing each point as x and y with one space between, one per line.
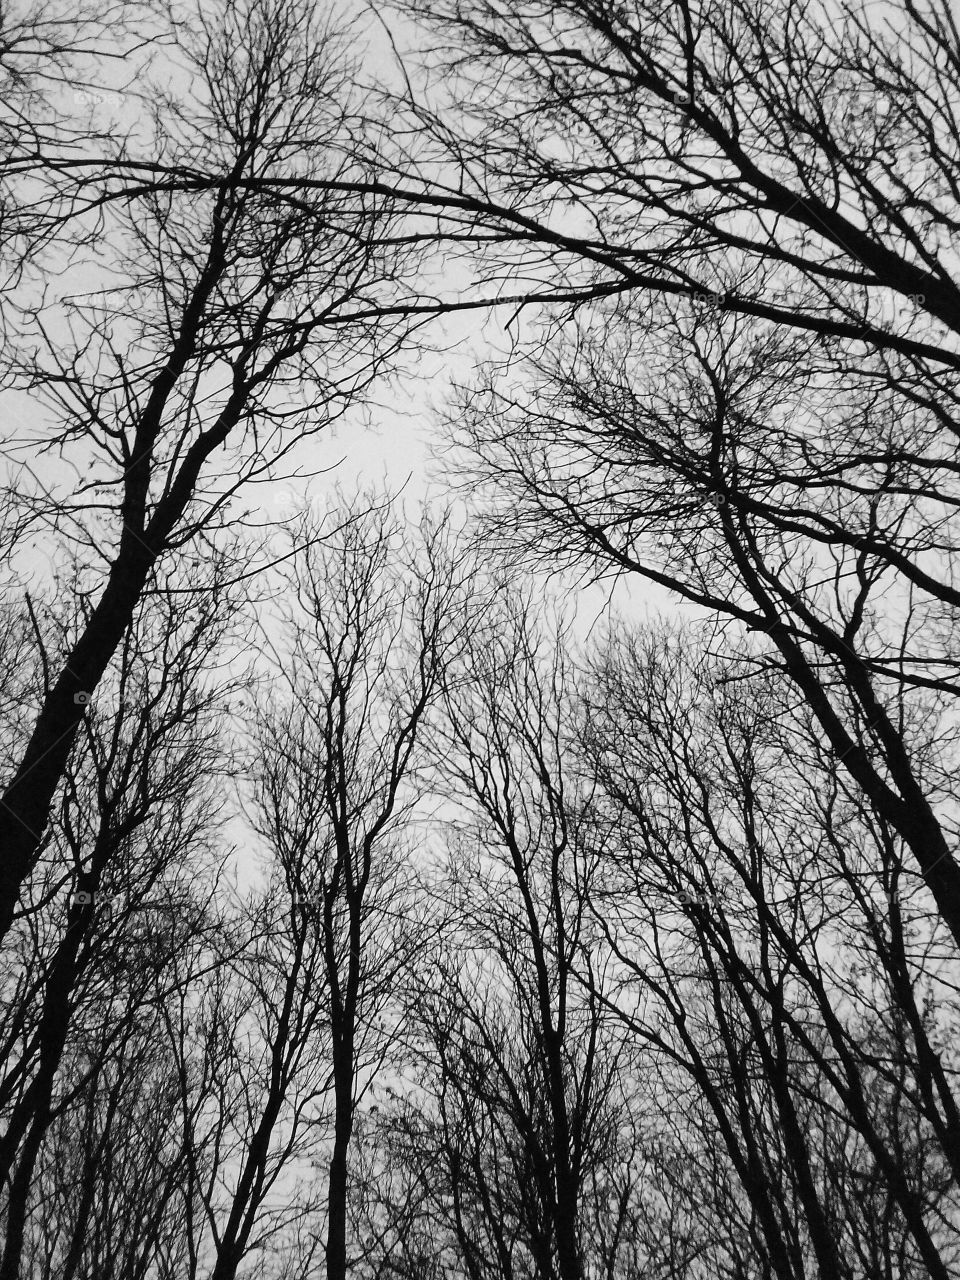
369 632
112 898
763 419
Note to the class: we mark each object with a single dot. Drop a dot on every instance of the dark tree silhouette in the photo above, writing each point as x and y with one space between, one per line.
788 966
764 421
370 630
111 899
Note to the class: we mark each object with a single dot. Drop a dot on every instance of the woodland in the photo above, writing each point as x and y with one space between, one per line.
374 906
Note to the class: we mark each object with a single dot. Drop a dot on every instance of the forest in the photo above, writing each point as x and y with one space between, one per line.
538 865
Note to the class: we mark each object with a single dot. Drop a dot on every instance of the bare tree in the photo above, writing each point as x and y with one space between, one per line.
280 1006
758 1074
796 163
53 101
112 1183
763 419
681 998
370 634
787 965
517 1125
257 277
132 830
